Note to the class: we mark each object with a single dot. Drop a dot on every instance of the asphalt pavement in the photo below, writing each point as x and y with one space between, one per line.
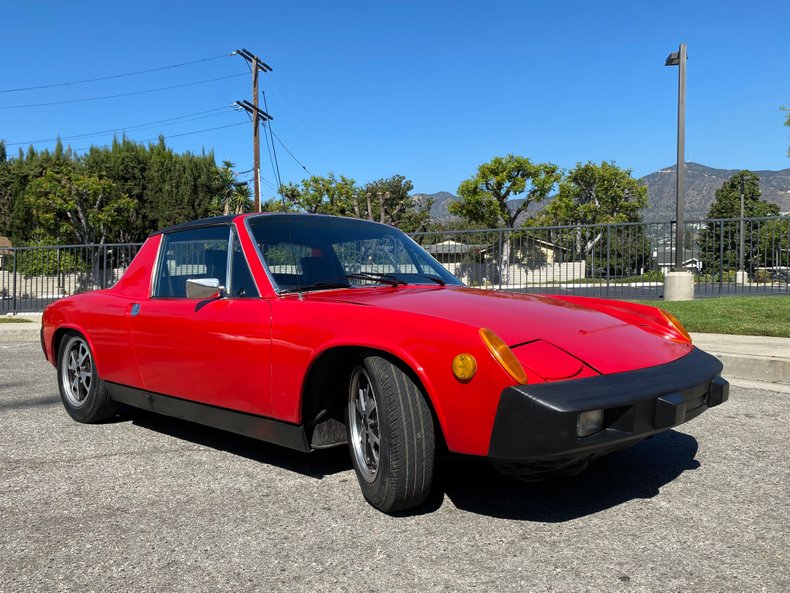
153 504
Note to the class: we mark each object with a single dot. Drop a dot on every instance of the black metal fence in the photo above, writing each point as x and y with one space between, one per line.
727 257
625 260
33 277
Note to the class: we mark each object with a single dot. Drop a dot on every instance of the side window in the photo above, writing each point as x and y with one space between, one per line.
241 283
191 254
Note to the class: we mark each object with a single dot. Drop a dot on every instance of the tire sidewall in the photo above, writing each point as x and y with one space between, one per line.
375 492
86 411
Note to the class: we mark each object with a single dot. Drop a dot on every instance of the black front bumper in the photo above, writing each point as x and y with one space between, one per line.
535 425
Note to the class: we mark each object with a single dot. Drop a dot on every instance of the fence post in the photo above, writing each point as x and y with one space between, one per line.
13 283
721 255
104 267
60 278
501 264
608 256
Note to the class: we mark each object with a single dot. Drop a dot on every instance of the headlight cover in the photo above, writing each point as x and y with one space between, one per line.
503 355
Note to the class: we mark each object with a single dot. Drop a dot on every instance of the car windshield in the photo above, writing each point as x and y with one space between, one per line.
305 252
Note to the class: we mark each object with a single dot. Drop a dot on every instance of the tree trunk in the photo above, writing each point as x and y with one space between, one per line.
504 273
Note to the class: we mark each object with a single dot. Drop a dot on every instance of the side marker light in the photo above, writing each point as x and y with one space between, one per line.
464 367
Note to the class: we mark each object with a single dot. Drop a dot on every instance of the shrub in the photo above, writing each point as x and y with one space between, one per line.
45 261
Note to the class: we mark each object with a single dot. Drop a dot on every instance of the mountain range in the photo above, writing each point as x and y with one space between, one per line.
701 185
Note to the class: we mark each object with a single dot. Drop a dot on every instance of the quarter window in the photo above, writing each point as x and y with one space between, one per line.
241 282
191 254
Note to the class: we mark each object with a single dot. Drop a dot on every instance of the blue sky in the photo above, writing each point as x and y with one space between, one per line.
426 89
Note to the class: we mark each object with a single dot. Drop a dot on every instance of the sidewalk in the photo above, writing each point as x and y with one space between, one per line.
754 358
757 358
21 332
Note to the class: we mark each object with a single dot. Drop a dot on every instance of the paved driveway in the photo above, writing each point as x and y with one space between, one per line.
147 504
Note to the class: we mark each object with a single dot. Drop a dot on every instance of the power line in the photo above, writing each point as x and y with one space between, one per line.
164 88
268 124
269 184
172 135
288 151
57 84
271 160
276 92
143 126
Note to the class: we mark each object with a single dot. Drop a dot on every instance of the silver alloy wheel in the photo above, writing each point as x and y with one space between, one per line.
77 372
363 417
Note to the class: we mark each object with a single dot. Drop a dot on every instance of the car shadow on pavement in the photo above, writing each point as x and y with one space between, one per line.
318 464
37 401
473 485
638 472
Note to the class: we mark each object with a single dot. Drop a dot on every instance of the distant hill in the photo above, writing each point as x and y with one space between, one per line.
701 185
440 211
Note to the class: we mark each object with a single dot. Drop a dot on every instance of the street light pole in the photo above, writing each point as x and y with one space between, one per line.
678 58
740 268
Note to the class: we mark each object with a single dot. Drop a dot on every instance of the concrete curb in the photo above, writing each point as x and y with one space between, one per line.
20 332
755 358
755 368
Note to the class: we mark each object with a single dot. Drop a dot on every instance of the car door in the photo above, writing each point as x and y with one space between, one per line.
215 351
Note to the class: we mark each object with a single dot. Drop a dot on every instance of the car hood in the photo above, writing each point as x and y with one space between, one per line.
607 343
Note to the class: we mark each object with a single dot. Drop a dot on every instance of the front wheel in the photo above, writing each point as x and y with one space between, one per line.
390 435
82 392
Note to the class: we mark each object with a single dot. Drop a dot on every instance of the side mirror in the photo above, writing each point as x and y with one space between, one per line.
204 288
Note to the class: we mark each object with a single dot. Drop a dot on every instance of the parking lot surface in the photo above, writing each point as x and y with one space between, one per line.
153 504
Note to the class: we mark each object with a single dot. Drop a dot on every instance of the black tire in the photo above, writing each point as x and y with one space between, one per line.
83 394
397 472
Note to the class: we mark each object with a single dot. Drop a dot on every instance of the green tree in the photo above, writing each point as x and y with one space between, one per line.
165 187
596 194
233 196
323 195
388 201
719 242
67 202
592 195
489 197
179 187
727 203
6 195
125 162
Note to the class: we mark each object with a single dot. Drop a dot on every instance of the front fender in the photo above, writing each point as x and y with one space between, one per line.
302 331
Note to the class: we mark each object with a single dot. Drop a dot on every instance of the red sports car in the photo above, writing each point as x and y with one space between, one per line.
315 331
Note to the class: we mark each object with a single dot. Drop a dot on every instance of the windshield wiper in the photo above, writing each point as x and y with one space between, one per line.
318 286
378 277
436 279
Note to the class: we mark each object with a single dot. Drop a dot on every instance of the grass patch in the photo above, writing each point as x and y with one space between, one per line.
746 315
14 320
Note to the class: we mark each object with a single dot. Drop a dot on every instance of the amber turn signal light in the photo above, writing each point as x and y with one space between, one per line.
464 367
674 322
503 355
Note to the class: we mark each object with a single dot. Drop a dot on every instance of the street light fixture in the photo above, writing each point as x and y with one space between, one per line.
678 58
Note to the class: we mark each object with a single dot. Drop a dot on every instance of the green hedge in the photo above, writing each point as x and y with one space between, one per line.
45 261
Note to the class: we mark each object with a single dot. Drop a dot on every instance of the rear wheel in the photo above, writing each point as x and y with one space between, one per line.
82 392
390 435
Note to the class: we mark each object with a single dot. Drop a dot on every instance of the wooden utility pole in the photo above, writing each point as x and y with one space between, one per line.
256 139
257 65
